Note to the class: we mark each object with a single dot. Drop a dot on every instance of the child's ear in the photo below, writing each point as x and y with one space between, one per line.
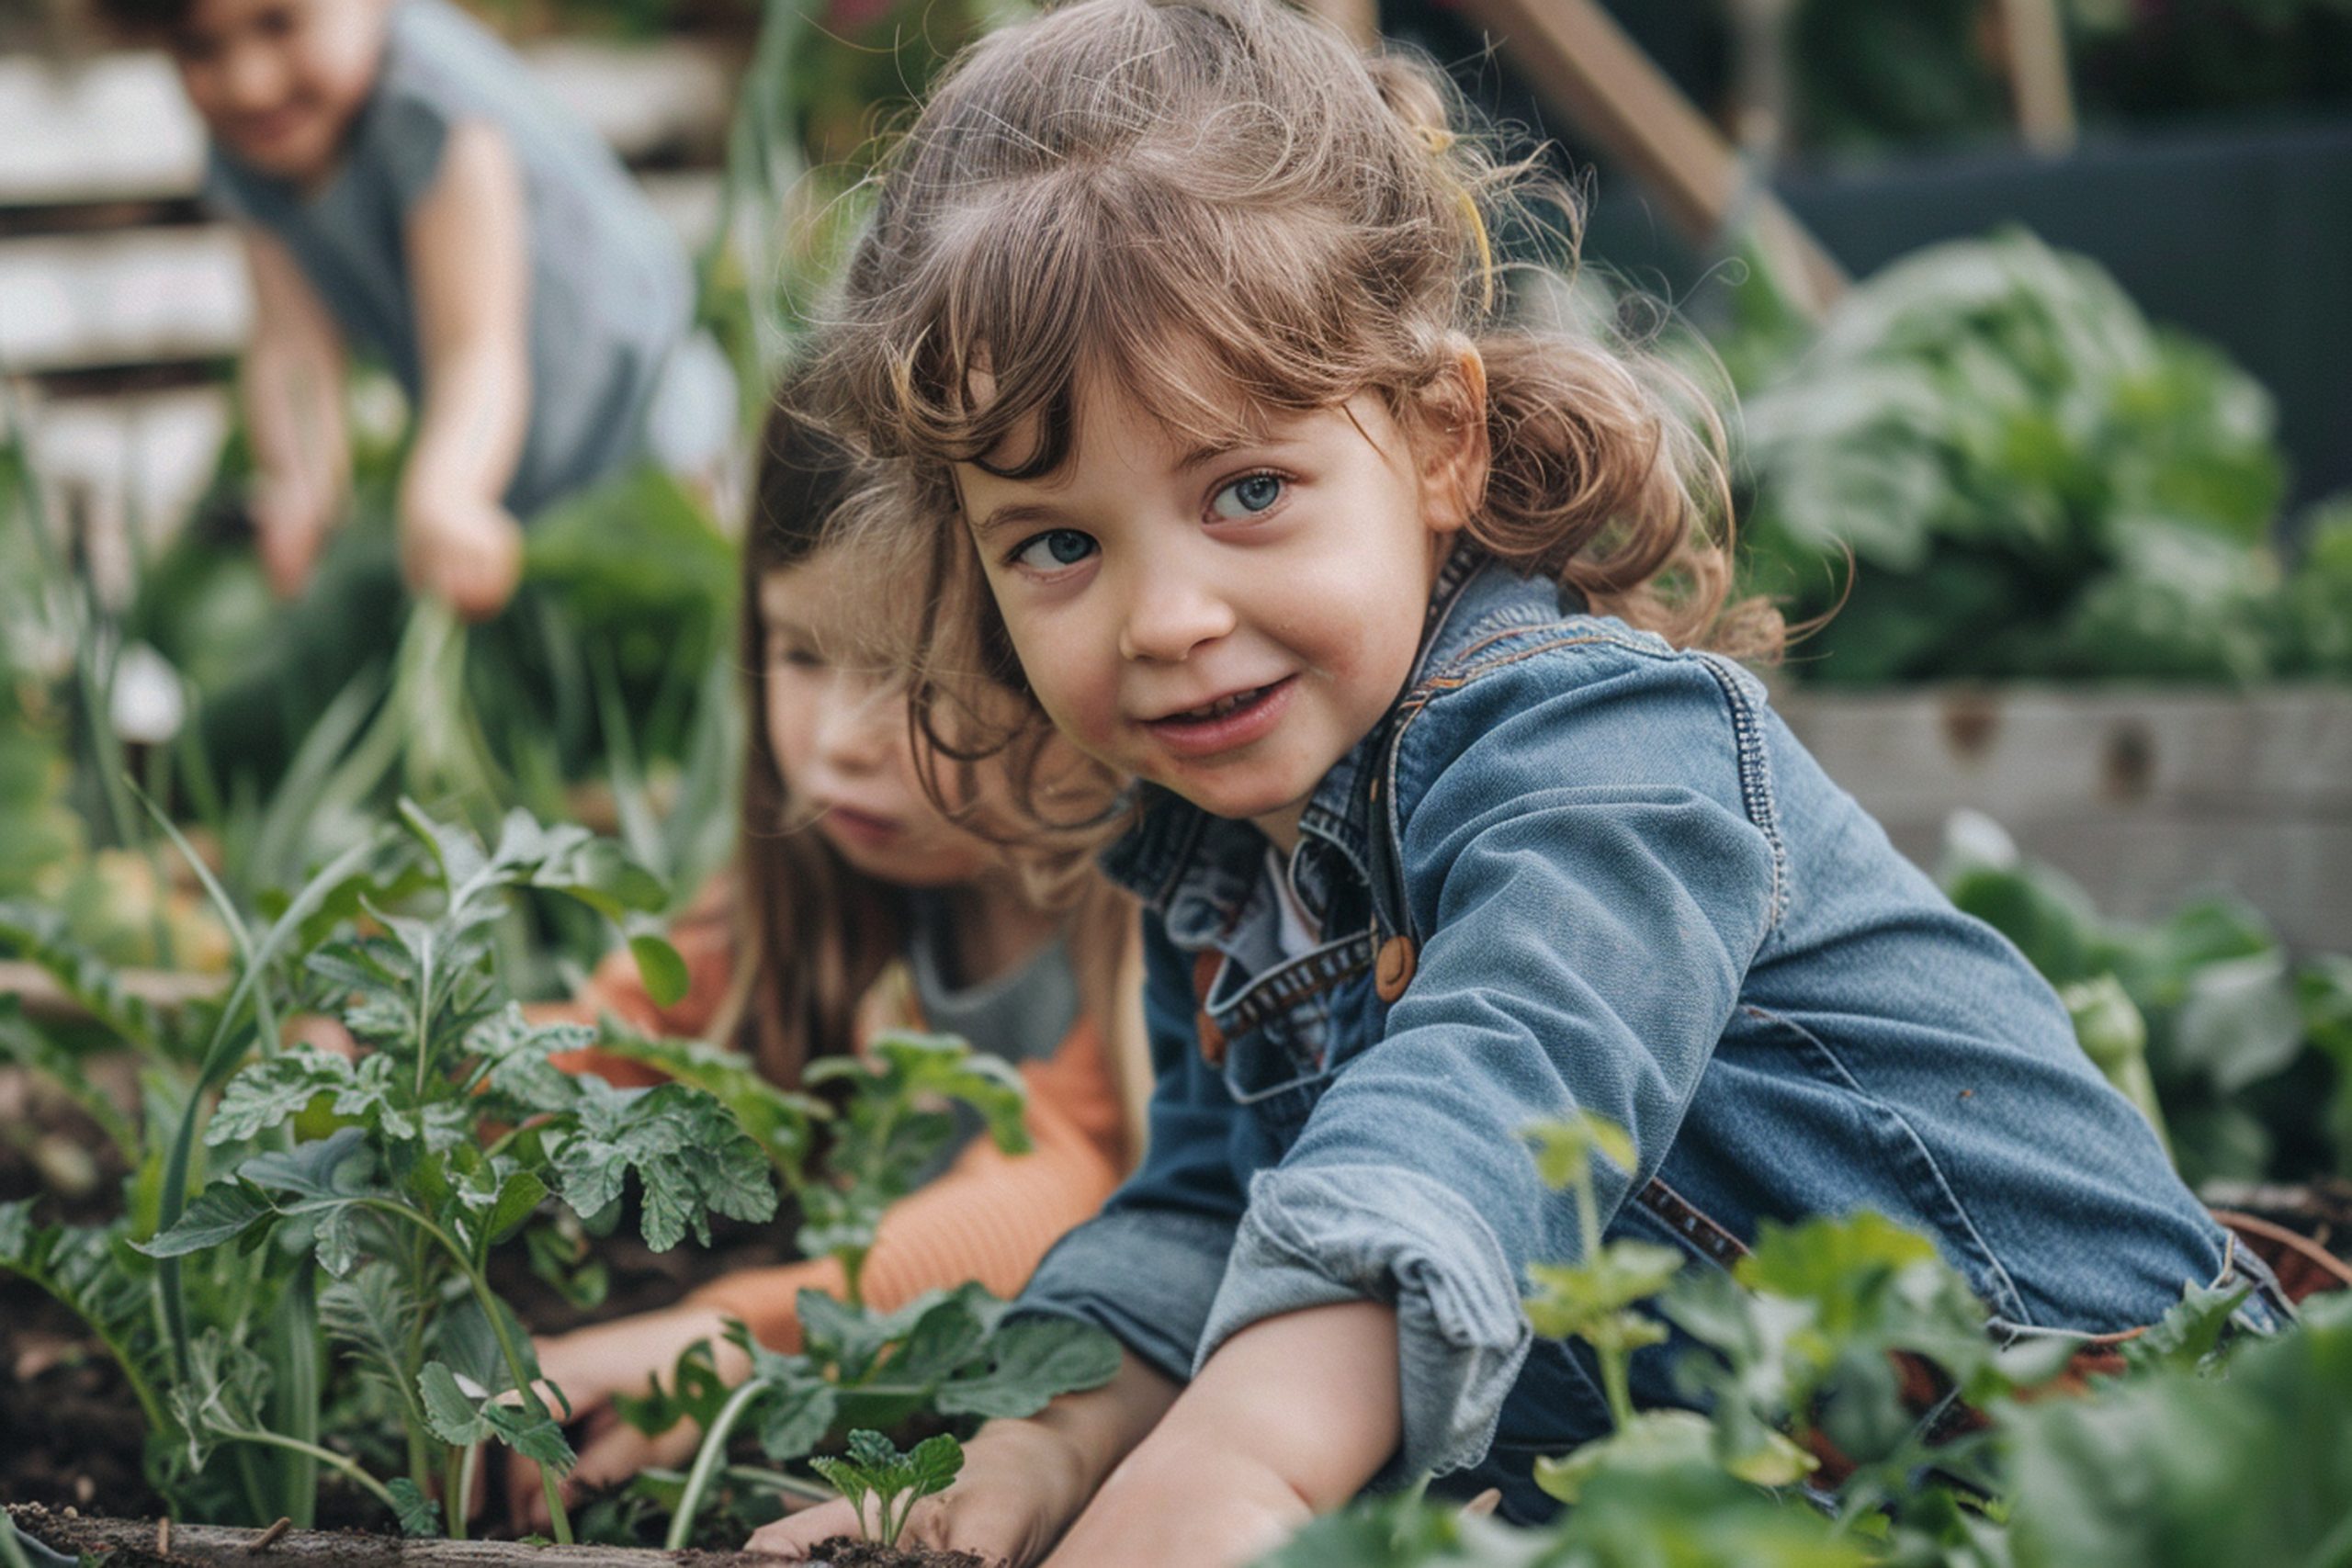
1452 442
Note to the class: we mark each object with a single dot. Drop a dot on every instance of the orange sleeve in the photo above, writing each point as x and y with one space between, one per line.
990 1216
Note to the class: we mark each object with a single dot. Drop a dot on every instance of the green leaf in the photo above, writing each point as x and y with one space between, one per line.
1564 1149
2188 1338
781 1122
223 1211
934 1465
420 1516
796 1417
1030 1362
660 967
271 1091
689 1156
515 1064
2172 1468
1656 1440
454 1414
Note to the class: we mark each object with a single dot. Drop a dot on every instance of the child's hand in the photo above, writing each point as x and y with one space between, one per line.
593 1364
467 552
1018 1491
291 517
1189 1506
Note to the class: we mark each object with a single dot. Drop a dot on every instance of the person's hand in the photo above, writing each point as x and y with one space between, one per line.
467 552
590 1365
1183 1506
1018 1491
292 518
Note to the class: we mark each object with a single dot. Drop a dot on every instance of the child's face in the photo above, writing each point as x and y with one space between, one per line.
1227 623
837 722
279 82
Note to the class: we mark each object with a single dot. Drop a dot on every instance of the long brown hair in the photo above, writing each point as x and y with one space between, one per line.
1221 209
814 933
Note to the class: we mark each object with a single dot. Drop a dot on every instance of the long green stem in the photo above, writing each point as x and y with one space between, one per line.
325 1456
515 1366
709 1461
461 1497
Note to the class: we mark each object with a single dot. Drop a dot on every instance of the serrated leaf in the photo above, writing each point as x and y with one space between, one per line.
689 1157
420 1516
454 1416
271 1091
1030 1362
533 1433
514 1055
221 1212
933 1463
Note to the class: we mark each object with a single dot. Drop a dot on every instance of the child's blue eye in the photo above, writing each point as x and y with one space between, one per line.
1059 547
1247 497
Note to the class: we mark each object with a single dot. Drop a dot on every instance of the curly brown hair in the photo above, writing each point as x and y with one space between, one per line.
1223 210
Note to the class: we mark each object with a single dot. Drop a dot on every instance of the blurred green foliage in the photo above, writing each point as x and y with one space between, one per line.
2248 1049
2027 479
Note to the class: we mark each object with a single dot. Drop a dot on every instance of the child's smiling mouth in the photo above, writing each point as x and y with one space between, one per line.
1235 720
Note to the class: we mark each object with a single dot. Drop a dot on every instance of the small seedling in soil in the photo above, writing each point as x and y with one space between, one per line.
873 1470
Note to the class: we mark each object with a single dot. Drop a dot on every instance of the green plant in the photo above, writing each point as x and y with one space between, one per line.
947 1355
2001 440
872 1467
449 1132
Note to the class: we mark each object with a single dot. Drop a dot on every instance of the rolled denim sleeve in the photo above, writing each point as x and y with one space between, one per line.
1148 1267
1584 862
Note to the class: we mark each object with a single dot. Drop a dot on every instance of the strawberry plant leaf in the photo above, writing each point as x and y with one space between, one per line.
454 1414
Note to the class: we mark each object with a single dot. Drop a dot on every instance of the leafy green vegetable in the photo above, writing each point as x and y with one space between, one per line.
2002 440
872 1468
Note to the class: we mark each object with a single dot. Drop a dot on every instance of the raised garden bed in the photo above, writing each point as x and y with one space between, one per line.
2143 797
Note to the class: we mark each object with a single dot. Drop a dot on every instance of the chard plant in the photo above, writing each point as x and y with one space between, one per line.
946 1357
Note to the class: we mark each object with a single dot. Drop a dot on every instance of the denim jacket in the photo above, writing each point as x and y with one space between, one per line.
1625 888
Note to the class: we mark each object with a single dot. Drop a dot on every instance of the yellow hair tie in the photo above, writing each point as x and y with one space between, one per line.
1439 142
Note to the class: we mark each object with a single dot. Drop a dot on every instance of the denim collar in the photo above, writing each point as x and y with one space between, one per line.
1199 870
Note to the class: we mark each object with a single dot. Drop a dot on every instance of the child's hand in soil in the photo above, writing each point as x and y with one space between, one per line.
1019 1489
467 552
593 1364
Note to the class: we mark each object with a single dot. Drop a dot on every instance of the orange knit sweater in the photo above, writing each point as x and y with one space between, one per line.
990 1216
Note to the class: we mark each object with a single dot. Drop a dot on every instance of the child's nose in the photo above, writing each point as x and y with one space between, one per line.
1169 615
857 722
251 79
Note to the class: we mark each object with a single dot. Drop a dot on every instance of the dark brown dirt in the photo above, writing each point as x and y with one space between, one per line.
843 1551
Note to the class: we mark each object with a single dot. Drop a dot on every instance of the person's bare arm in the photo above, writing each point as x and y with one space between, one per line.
1288 1419
469 256
293 389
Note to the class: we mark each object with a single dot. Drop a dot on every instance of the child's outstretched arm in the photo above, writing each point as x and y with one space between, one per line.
469 271
292 391
1288 1419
